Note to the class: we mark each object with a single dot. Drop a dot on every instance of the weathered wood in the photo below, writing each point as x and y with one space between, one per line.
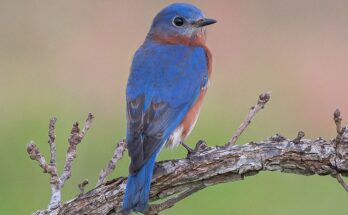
214 165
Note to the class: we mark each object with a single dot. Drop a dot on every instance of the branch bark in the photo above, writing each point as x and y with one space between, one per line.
214 165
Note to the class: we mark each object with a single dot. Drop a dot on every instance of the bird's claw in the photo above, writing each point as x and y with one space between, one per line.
189 150
200 146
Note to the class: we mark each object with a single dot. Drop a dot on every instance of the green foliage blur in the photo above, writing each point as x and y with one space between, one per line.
69 58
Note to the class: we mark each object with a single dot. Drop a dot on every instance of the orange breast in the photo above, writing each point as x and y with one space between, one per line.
190 119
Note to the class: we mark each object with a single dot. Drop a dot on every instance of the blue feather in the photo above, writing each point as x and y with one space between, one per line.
138 187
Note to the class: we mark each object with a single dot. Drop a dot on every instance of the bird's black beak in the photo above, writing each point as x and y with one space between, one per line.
204 22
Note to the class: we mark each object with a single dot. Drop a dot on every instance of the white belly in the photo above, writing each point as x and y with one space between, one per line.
177 136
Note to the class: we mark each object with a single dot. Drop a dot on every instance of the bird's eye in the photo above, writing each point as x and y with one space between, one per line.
178 21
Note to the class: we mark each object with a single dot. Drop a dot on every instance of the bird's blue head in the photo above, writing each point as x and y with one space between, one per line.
180 23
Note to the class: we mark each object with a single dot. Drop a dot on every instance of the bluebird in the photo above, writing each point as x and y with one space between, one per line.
168 80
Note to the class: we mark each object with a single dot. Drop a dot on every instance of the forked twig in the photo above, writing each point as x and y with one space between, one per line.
75 138
57 182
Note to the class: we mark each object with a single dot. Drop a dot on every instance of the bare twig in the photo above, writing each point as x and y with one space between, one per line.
300 135
51 140
263 99
87 126
338 140
35 154
338 120
118 153
82 186
75 138
339 129
56 182
340 180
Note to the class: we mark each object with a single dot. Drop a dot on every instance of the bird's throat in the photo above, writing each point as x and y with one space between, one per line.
198 38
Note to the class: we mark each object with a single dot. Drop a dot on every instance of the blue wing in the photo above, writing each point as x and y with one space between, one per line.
164 83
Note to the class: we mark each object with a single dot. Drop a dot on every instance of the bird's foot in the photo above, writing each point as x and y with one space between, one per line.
201 145
189 150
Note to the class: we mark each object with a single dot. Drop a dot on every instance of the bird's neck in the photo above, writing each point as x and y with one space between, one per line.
196 39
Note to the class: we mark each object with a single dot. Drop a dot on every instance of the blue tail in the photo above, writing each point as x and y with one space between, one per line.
138 187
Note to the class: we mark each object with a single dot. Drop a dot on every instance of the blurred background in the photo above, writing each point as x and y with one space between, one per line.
69 58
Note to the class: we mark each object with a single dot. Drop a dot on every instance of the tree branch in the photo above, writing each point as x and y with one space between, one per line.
174 180
219 165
